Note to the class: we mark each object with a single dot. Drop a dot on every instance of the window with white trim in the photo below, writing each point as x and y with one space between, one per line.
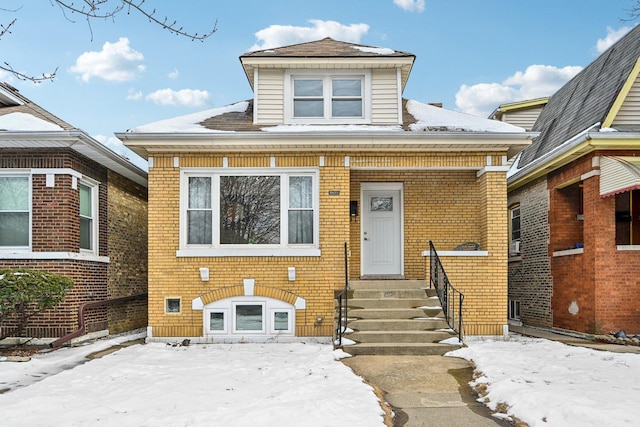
514 309
249 209
15 211
249 316
88 217
332 97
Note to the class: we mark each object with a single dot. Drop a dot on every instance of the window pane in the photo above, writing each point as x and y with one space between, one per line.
281 321
307 88
199 193
14 193
346 108
199 226
301 226
382 204
86 233
308 108
347 87
249 317
14 229
173 305
300 192
250 210
515 224
216 321
85 201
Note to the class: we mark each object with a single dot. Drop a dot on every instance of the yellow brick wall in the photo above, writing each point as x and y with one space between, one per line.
316 277
483 280
446 206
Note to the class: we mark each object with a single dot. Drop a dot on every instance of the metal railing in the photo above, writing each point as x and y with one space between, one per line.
450 298
343 303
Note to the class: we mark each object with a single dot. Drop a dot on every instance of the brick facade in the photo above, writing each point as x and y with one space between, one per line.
55 229
590 290
444 201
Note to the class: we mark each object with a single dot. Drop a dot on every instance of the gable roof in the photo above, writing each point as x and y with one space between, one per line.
327 53
24 124
586 100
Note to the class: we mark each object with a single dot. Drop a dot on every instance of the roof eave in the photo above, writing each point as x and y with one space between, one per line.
80 142
584 143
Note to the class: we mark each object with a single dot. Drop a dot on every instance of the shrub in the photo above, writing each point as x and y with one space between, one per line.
25 292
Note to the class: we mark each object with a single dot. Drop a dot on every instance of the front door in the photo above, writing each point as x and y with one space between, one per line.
382 251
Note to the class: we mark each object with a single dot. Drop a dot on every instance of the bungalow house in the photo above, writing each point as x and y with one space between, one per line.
71 206
574 203
251 206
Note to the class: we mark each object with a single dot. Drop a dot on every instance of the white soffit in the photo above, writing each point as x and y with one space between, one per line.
619 174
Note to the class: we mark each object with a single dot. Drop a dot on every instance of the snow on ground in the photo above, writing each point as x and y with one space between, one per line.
547 383
214 384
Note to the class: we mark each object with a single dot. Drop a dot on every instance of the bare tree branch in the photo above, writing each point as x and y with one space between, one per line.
102 9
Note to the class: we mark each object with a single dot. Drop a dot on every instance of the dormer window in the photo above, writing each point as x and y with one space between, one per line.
338 97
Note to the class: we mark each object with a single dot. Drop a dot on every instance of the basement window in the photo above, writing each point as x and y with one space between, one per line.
514 309
172 305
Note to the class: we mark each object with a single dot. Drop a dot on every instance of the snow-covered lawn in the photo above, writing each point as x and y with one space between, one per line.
547 383
196 385
543 383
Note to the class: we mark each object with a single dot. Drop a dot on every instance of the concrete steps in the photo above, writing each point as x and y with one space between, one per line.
395 317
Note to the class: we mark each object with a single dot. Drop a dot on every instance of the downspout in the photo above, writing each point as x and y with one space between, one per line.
86 306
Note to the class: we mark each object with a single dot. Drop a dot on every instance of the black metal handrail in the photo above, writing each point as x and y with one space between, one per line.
343 303
450 298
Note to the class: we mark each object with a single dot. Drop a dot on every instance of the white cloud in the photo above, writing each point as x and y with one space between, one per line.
115 62
184 97
133 95
410 5
112 142
282 35
535 82
174 74
612 37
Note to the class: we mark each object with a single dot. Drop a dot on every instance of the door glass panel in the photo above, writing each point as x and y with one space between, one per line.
381 204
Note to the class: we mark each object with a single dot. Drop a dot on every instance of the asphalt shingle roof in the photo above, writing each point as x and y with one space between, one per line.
586 99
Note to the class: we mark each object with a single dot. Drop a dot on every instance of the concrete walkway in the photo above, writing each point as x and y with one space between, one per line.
434 391
426 391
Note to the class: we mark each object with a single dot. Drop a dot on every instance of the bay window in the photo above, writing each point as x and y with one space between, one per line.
249 210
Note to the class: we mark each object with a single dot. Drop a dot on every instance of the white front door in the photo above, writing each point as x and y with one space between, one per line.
382 250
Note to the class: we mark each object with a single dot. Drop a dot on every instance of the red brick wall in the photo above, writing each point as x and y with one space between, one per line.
602 282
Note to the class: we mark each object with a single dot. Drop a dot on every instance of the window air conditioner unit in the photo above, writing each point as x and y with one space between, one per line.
514 248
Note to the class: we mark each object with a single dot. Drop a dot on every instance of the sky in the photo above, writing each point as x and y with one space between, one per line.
543 383
120 73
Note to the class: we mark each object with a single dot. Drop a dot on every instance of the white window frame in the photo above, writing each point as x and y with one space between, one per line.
514 309
95 220
216 248
272 323
225 321
270 306
327 77
22 174
166 305
514 244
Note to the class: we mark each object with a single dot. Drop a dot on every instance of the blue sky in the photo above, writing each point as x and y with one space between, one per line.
471 55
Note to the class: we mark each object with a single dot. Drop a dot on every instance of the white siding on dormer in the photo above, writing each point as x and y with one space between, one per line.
629 113
269 94
524 118
385 97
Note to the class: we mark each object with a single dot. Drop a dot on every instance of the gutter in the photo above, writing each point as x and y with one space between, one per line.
89 305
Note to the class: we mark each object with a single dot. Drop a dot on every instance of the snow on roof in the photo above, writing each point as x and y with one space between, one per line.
376 50
25 122
190 122
429 118
440 119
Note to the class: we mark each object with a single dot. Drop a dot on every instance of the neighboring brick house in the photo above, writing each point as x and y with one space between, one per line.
72 206
250 205
574 203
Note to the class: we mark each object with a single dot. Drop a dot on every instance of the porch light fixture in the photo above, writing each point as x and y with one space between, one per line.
204 274
319 319
292 274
